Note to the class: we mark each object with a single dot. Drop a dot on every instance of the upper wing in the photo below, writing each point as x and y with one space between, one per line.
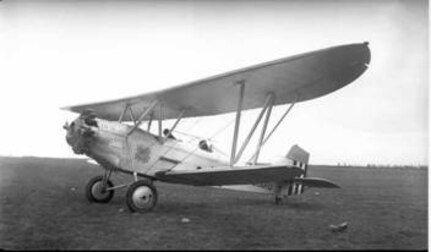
297 78
231 176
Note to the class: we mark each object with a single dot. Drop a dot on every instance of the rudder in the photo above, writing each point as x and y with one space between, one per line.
299 158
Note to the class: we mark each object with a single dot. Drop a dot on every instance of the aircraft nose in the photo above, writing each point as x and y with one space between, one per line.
76 136
70 138
66 126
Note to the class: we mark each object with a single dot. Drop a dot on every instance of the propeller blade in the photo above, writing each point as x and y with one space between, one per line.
66 126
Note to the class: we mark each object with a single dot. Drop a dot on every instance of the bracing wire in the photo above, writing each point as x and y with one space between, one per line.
171 147
212 136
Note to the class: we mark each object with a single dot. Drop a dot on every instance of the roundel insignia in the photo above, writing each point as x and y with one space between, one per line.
142 154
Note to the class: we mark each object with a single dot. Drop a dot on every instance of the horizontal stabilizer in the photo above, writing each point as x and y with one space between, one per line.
316 182
230 176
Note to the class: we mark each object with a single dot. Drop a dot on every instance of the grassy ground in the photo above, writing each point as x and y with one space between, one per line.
42 206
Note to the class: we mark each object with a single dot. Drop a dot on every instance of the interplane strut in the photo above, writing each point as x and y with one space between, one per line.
267 108
265 124
237 121
256 123
141 118
273 129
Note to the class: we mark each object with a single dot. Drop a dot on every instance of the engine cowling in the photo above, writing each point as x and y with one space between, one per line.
81 132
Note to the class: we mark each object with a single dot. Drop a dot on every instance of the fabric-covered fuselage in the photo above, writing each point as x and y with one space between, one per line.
107 143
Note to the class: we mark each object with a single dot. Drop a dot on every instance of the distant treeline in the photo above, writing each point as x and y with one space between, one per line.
340 165
377 166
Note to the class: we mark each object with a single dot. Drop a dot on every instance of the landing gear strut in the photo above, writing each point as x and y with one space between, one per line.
278 194
278 200
141 195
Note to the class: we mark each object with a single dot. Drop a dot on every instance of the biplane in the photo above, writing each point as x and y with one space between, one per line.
110 132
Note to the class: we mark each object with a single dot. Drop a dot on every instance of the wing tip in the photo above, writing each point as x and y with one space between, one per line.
70 108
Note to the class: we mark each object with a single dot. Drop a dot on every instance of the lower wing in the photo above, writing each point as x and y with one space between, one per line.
231 175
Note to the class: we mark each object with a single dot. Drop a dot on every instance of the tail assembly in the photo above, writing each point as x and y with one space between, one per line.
296 157
299 157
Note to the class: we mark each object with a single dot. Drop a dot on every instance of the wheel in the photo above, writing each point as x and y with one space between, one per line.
94 192
141 197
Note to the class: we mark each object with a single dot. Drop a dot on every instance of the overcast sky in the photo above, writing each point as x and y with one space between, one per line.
60 53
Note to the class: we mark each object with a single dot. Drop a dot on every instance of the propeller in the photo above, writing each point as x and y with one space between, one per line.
81 131
66 126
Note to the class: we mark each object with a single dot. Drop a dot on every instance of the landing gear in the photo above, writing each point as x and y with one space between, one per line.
96 190
141 196
278 200
278 194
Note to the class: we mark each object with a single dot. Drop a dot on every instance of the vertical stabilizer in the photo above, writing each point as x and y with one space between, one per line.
298 154
299 158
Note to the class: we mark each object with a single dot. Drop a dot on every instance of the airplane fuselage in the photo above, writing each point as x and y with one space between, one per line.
109 144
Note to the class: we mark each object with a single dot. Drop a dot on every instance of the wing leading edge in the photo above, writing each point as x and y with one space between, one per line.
230 176
296 78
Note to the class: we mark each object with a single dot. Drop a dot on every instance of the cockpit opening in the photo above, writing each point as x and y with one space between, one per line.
166 134
203 145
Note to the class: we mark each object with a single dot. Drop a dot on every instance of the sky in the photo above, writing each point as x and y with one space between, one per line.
59 53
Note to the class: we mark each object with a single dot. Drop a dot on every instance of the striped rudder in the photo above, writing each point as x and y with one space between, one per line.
300 159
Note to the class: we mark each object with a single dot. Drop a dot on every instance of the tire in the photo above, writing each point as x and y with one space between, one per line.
94 193
141 197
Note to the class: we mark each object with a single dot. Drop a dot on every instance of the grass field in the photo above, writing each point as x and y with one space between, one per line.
42 206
